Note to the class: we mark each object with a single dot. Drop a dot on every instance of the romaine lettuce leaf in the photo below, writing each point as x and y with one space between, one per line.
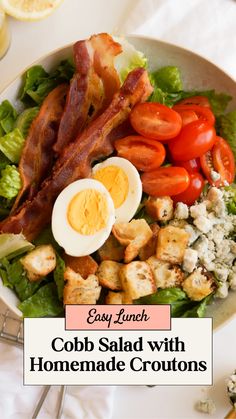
8 116
168 79
12 245
129 59
58 275
25 120
10 182
227 129
17 279
38 83
12 144
231 198
181 305
43 303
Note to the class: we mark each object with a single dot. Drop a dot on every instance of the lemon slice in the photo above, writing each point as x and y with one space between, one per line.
29 9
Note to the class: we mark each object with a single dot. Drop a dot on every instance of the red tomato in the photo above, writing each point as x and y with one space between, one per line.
196 100
155 121
194 140
186 115
221 160
203 113
144 153
192 166
192 193
165 181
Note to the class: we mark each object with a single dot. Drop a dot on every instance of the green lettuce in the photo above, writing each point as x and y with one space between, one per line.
58 275
231 198
25 120
168 79
17 280
129 59
43 303
8 116
12 245
12 144
181 305
227 129
10 182
4 161
38 83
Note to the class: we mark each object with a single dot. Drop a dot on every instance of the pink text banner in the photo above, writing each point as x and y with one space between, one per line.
118 317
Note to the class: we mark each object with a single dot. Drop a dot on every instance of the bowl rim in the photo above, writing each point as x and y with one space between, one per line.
130 36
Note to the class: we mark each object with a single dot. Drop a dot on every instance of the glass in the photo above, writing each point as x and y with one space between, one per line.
4 34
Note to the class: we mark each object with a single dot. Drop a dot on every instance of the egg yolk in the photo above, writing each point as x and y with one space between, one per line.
87 212
115 181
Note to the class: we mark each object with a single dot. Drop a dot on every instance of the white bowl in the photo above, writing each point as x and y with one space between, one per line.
197 73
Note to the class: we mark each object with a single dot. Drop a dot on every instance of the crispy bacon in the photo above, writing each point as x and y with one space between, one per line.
37 156
92 87
75 163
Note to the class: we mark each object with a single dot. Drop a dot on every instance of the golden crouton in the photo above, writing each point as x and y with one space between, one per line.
171 244
137 279
112 250
118 298
160 209
165 274
79 290
150 247
39 262
199 284
83 265
134 235
108 275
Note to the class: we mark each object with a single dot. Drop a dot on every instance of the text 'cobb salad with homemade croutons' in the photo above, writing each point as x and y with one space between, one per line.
116 186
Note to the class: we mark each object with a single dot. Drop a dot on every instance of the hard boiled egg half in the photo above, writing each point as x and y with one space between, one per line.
83 216
123 183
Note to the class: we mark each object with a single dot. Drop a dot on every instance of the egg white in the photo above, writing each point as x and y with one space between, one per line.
129 207
74 243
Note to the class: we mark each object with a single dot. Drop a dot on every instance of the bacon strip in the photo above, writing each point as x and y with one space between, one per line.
37 156
75 163
91 88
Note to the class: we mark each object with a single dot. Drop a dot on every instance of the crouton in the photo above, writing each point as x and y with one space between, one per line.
137 279
108 275
165 274
113 298
39 262
199 284
79 290
150 247
160 209
118 298
84 265
112 250
171 244
134 235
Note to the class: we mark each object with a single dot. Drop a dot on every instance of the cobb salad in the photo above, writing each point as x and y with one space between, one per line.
116 186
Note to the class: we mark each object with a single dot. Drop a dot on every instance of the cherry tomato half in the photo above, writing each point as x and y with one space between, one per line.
221 160
144 153
196 100
165 181
192 166
194 190
156 121
186 115
194 140
202 112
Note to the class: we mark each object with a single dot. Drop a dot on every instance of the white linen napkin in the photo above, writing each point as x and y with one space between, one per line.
19 402
206 27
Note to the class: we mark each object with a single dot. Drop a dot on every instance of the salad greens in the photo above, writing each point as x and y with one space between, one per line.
38 83
181 305
8 117
43 303
25 120
10 182
227 129
12 245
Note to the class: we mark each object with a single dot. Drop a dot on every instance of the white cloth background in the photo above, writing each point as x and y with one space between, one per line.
208 27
